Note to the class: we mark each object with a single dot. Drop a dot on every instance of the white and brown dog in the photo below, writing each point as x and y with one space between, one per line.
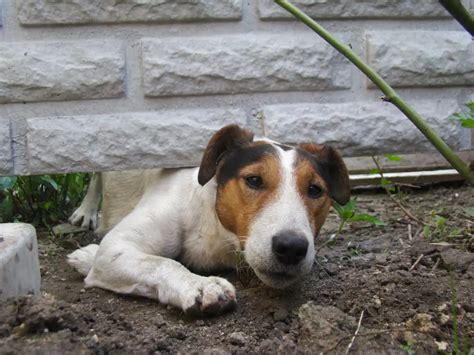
258 197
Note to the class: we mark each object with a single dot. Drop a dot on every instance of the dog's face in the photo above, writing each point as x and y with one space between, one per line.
275 198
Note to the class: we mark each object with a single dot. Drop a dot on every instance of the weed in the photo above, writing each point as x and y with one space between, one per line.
41 200
347 214
409 347
466 119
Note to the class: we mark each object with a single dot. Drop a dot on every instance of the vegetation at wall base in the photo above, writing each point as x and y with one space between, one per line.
42 200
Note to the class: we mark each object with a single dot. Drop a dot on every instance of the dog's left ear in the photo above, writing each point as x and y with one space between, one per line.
226 139
332 169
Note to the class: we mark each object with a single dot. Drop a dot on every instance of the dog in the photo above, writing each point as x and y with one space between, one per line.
249 196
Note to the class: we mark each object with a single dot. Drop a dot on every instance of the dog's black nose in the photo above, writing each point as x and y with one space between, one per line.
289 248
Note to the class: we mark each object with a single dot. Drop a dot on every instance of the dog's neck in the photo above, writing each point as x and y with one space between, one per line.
209 240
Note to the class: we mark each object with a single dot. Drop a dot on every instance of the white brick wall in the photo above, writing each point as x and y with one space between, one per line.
101 85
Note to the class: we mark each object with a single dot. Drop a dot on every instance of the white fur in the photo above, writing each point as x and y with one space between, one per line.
157 217
286 212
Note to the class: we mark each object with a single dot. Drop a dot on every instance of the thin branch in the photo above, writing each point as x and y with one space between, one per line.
460 13
398 203
390 94
356 332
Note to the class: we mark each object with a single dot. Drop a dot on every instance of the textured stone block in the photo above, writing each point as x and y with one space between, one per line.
19 265
246 63
45 71
359 128
422 58
124 141
5 147
355 9
36 12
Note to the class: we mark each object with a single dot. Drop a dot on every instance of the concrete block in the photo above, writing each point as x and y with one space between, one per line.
56 71
362 128
19 265
5 148
124 141
37 12
244 63
336 9
422 58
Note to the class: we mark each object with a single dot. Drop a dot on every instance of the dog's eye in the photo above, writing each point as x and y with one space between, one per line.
314 191
254 182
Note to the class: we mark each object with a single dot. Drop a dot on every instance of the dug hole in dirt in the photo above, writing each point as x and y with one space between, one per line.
373 290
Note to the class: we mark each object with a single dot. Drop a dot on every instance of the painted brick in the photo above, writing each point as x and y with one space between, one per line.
359 128
235 64
355 9
422 58
124 141
37 12
5 147
53 71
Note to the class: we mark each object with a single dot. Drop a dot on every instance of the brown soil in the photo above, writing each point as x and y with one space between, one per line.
366 270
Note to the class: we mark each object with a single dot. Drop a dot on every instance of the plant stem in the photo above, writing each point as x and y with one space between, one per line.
460 13
390 94
394 200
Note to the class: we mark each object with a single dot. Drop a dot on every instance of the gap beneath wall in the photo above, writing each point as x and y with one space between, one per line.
415 169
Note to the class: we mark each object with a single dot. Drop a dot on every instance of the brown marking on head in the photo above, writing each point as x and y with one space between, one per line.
238 203
328 163
317 208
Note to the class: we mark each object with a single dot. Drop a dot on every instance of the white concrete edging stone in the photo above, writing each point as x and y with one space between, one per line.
19 264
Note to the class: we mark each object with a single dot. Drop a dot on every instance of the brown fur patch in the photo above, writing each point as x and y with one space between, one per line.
238 204
317 208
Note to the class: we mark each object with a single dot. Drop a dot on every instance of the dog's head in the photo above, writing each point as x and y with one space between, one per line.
275 198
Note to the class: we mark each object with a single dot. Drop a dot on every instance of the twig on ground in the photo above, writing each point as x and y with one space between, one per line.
416 262
410 237
435 266
355 334
398 203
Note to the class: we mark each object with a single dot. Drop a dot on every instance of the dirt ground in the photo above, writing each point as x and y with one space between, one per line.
368 275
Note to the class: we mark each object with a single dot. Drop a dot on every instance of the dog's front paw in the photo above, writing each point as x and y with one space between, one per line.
210 296
84 216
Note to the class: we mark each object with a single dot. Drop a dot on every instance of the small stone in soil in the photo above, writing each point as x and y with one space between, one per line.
280 315
237 338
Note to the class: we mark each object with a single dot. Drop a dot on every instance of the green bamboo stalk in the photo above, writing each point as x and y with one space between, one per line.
390 94
460 13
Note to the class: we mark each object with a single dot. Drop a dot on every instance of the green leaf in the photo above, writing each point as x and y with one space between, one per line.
440 221
469 212
49 181
374 171
385 182
364 217
393 157
6 210
7 182
470 106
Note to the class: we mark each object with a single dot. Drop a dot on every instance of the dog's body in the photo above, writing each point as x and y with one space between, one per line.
256 197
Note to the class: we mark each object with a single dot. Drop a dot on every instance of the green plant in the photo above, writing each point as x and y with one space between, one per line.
409 347
41 200
348 214
466 119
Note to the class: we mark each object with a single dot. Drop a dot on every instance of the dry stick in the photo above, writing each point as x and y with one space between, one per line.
416 262
390 94
398 203
355 334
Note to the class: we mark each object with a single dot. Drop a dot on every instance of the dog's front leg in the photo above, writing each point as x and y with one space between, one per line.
124 269
135 258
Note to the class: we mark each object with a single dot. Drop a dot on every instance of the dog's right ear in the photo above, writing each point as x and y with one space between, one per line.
226 139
